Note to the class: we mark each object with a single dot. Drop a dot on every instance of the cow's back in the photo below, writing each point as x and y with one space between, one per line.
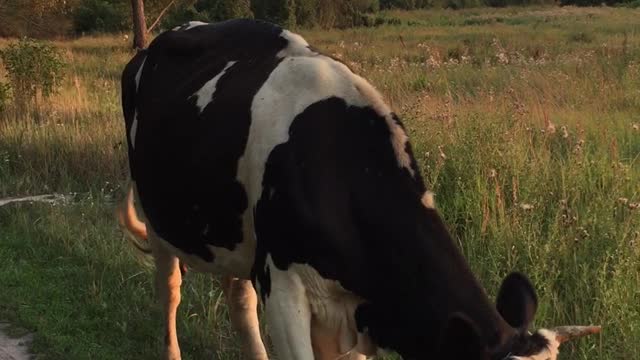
187 101
215 107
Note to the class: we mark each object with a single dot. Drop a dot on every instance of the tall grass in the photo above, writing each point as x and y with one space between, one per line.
526 124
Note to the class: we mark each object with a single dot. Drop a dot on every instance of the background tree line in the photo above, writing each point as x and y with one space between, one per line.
52 18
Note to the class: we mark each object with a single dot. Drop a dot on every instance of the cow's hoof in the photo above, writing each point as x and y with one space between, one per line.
171 356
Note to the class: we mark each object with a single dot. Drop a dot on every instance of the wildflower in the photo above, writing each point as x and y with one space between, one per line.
526 207
584 233
443 156
549 126
578 146
503 59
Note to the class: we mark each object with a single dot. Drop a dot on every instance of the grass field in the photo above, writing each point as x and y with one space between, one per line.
526 122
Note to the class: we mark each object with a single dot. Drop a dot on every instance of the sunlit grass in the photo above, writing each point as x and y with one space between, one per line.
526 124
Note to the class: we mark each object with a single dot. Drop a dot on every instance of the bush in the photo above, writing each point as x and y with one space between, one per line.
400 4
590 2
34 68
306 12
209 11
35 18
463 4
100 16
281 12
336 13
323 13
581 37
183 15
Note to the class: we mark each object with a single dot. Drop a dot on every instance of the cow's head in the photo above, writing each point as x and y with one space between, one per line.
517 304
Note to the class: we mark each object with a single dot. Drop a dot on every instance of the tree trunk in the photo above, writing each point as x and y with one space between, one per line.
139 24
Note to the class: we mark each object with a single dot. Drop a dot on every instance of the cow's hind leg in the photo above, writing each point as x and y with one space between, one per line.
168 281
243 311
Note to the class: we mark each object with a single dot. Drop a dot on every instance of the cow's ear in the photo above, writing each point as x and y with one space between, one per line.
461 340
517 301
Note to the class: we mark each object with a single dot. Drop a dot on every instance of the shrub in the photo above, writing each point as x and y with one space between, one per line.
336 13
281 12
183 15
34 68
209 11
218 10
581 37
306 12
100 16
35 18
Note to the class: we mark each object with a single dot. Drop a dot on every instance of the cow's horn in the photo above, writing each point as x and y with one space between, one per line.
566 333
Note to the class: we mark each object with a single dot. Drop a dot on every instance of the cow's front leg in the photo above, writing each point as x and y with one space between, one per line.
168 281
288 315
243 311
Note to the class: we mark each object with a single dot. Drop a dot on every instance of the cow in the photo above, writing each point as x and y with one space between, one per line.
256 157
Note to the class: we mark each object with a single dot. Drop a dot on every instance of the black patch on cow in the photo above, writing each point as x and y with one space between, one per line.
185 162
335 198
128 96
461 340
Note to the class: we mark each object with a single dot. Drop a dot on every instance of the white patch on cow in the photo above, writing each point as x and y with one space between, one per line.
288 314
296 45
190 25
550 353
205 94
428 200
294 84
134 124
139 74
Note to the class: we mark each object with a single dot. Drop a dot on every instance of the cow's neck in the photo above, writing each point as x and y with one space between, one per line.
456 287
426 280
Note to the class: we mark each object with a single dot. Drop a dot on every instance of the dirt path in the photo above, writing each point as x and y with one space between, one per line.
49 198
13 348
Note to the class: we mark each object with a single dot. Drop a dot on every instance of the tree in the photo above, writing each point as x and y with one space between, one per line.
35 18
139 24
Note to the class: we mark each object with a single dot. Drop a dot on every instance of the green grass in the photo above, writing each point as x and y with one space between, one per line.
481 92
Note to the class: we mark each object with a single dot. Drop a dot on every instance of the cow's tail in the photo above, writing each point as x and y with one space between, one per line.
132 225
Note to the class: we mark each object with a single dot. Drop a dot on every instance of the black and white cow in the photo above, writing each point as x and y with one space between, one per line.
255 156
